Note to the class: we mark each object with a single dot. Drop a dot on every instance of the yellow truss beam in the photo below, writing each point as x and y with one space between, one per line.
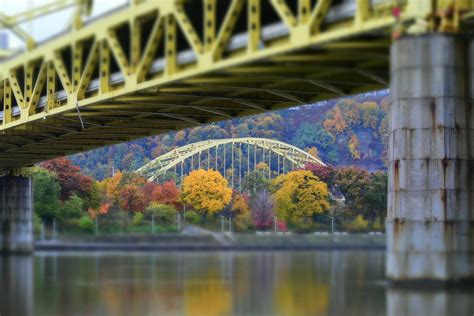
168 54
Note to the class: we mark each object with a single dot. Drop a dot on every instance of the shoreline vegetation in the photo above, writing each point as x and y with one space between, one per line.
314 198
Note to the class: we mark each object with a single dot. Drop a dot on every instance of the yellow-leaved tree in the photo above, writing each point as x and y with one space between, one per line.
298 195
206 191
354 146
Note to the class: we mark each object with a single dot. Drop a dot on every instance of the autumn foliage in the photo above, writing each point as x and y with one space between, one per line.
132 199
206 191
168 194
299 195
69 177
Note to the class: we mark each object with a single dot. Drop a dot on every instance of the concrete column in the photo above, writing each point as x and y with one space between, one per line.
430 221
16 201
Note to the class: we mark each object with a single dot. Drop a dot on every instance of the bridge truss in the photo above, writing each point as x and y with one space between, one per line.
156 66
245 155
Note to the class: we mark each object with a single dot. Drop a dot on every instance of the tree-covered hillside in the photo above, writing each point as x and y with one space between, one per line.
346 131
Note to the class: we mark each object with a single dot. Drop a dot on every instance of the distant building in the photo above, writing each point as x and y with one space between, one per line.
3 40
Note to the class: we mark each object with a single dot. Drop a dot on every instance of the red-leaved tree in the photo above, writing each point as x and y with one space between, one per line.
168 193
132 198
69 177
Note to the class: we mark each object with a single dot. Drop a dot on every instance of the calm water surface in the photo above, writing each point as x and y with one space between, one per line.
214 283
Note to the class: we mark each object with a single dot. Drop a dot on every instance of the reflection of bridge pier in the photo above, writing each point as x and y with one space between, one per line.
429 302
430 225
16 285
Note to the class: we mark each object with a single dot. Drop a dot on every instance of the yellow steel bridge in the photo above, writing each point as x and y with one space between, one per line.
296 157
160 65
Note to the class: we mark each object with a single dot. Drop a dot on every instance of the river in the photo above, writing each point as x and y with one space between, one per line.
214 283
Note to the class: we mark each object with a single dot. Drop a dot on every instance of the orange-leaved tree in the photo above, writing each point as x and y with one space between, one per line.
240 204
111 187
241 210
132 198
298 195
206 191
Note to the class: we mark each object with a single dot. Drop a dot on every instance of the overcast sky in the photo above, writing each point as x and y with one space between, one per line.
54 23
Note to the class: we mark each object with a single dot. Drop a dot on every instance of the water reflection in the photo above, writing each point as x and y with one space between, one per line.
16 285
430 302
226 283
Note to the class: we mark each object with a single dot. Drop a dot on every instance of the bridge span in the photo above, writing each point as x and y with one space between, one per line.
245 154
158 66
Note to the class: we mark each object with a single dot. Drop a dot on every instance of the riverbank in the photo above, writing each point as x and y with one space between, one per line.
217 242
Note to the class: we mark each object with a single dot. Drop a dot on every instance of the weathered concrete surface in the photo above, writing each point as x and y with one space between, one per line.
16 201
430 220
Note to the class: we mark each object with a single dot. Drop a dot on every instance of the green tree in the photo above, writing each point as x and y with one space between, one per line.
46 195
365 193
308 135
375 197
164 214
352 181
86 223
191 217
72 208
255 182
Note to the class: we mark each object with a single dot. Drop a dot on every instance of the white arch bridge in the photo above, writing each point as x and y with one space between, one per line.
241 155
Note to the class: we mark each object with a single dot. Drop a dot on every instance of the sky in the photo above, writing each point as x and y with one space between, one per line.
52 24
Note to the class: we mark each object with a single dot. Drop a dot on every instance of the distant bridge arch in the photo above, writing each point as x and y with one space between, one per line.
254 150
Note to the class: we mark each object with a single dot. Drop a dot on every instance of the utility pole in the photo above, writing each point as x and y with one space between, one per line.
240 168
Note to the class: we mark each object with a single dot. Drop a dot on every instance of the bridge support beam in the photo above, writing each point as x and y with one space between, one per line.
430 220
16 201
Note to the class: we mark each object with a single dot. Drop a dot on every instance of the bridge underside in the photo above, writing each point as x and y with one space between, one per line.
159 66
333 70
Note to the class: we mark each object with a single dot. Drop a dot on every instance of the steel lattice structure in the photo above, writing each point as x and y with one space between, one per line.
12 22
160 165
156 66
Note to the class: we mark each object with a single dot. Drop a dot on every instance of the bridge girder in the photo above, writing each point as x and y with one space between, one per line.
167 65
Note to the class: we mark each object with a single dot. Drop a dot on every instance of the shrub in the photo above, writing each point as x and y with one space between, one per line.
114 220
164 214
359 223
87 224
137 219
243 222
281 226
191 217
378 225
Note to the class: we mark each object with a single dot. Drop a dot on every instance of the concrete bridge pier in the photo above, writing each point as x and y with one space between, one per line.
430 221
16 210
